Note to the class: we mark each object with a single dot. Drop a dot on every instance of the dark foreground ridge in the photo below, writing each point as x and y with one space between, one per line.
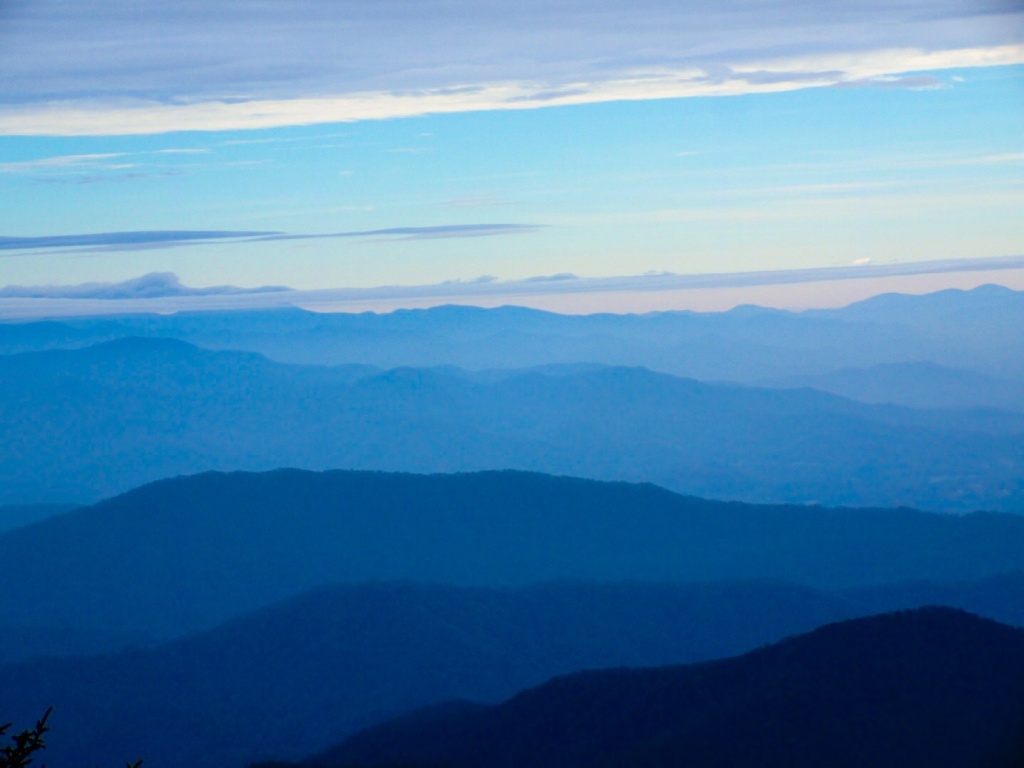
337 659
933 687
332 661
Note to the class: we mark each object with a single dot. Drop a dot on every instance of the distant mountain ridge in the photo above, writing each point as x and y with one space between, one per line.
915 384
87 423
158 581
336 659
182 555
933 687
979 330
213 618
17 515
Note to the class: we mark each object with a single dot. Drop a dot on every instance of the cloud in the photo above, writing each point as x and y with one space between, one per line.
155 285
120 241
129 117
98 160
63 162
912 82
106 178
556 278
162 292
123 239
96 168
668 281
1008 157
79 69
450 230
419 233
482 279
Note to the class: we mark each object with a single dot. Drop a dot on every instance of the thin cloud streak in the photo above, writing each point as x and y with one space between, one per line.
118 178
93 160
64 162
566 283
100 168
420 233
119 241
123 239
155 285
911 82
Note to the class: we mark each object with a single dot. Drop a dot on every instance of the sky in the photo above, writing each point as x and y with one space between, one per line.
331 144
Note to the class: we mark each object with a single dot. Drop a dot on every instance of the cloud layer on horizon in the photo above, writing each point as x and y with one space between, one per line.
133 68
163 292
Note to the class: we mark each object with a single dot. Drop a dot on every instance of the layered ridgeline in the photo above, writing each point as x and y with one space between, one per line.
975 336
918 384
185 554
329 648
87 423
17 515
933 687
299 676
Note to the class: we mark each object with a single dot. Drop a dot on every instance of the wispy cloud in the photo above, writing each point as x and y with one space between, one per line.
103 167
1006 157
155 285
119 241
126 240
559 277
433 233
124 117
78 69
912 82
64 162
106 178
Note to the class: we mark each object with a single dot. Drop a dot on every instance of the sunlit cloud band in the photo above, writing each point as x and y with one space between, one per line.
860 69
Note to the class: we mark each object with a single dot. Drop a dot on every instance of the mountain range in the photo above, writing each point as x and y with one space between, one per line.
182 555
335 659
978 330
17 515
914 384
88 423
213 553
296 677
933 687
177 621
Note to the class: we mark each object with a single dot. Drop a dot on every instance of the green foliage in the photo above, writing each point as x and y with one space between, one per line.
18 754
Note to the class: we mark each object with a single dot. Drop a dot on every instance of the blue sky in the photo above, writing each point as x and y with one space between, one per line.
353 145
